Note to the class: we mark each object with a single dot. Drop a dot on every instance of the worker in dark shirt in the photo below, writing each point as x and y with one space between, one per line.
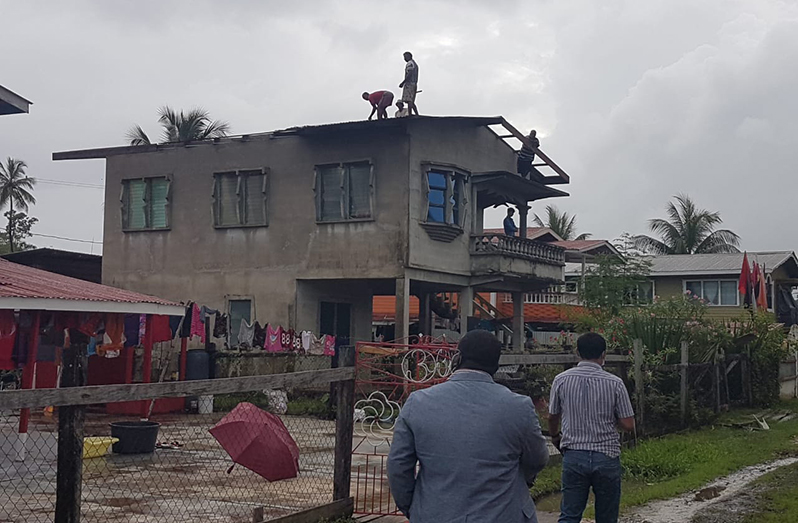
509 225
527 154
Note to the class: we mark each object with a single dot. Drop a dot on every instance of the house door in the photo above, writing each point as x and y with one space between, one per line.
336 320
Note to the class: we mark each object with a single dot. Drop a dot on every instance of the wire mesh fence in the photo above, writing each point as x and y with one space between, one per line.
179 464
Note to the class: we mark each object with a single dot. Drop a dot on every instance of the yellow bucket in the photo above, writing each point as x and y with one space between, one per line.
97 447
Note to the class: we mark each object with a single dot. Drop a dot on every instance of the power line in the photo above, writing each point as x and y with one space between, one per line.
64 238
70 184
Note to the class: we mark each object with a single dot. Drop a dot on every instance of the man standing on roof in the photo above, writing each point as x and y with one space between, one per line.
380 101
410 84
527 154
509 224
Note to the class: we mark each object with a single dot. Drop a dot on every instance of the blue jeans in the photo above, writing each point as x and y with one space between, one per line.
582 469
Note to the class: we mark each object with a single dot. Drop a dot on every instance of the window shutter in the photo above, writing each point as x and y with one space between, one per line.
226 199
158 203
426 196
254 194
359 190
136 204
330 190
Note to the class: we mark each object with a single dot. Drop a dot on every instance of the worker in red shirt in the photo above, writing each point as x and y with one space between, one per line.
380 101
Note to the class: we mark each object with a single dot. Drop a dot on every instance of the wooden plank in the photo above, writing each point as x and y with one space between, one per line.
344 427
69 475
518 134
639 385
97 394
336 509
683 389
552 359
716 386
732 365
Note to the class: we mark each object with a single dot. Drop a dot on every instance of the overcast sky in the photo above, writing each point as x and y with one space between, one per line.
638 100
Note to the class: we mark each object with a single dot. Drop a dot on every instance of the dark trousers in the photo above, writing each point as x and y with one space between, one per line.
581 470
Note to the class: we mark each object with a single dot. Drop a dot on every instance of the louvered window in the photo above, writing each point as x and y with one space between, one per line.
239 198
344 192
145 204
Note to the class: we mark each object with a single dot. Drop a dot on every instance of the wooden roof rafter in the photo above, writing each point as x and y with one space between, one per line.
561 176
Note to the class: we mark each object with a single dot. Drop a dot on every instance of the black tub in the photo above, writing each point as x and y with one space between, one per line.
135 437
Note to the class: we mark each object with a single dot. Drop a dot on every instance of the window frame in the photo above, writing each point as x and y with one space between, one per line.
455 196
241 187
227 302
719 281
345 185
635 302
124 196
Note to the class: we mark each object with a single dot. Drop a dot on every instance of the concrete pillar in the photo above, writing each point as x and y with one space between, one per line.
465 302
523 217
424 319
402 329
518 321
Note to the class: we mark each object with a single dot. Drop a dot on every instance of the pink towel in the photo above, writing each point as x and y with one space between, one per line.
197 325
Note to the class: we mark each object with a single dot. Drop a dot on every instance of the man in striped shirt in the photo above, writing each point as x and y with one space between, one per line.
592 404
527 154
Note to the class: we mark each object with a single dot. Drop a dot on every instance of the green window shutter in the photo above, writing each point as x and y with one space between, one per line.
159 203
330 199
226 199
135 204
255 197
359 190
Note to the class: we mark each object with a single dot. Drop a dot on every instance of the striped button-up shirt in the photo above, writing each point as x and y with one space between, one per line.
591 401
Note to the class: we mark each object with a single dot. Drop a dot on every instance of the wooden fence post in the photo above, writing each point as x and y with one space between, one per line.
344 427
716 385
683 380
639 386
745 376
69 476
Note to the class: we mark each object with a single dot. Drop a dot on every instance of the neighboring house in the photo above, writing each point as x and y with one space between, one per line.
12 103
88 267
302 227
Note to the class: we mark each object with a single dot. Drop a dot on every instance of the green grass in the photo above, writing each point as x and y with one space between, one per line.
778 500
671 465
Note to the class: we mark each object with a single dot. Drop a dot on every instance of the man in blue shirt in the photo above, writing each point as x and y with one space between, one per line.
509 225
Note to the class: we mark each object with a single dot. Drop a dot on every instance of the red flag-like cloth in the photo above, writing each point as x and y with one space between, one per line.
762 292
745 280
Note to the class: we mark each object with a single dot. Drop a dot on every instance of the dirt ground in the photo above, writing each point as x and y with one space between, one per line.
187 483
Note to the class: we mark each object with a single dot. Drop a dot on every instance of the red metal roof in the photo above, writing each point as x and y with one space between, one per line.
20 281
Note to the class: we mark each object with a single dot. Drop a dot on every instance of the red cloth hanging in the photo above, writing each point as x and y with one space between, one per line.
160 329
8 336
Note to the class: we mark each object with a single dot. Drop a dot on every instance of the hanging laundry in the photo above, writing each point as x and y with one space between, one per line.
205 312
8 338
307 340
296 341
246 333
316 345
131 330
259 338
91 349
142 327
160 329
274 339
197 327
185 330
220 326
329 345
90 323
285 340
174 324
114 338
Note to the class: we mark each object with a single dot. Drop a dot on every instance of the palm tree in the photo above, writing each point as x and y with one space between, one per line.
561 223
688 230
15 187
196 124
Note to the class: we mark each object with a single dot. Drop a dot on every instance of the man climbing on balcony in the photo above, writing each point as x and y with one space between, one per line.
509 224
527 154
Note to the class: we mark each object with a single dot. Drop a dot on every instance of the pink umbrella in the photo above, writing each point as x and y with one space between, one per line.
259 441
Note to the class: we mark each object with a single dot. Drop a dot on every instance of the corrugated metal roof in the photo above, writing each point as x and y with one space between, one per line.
726 263
20 281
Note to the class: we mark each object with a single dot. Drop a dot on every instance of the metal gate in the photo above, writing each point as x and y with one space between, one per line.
386 374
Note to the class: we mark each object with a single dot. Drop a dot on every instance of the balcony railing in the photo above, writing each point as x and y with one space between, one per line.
517 248
547 298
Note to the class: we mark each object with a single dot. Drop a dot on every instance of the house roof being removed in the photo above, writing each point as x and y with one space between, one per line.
12 103
26 288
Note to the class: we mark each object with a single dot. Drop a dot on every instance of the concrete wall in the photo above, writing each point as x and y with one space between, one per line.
195 261
476 149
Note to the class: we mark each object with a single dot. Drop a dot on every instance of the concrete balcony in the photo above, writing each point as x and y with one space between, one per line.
537 263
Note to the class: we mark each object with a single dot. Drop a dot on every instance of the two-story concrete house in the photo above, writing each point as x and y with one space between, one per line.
302 227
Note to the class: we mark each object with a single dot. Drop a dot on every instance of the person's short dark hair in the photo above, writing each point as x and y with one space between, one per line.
480 350
591 346
365 95
533 133
408 54
510 211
